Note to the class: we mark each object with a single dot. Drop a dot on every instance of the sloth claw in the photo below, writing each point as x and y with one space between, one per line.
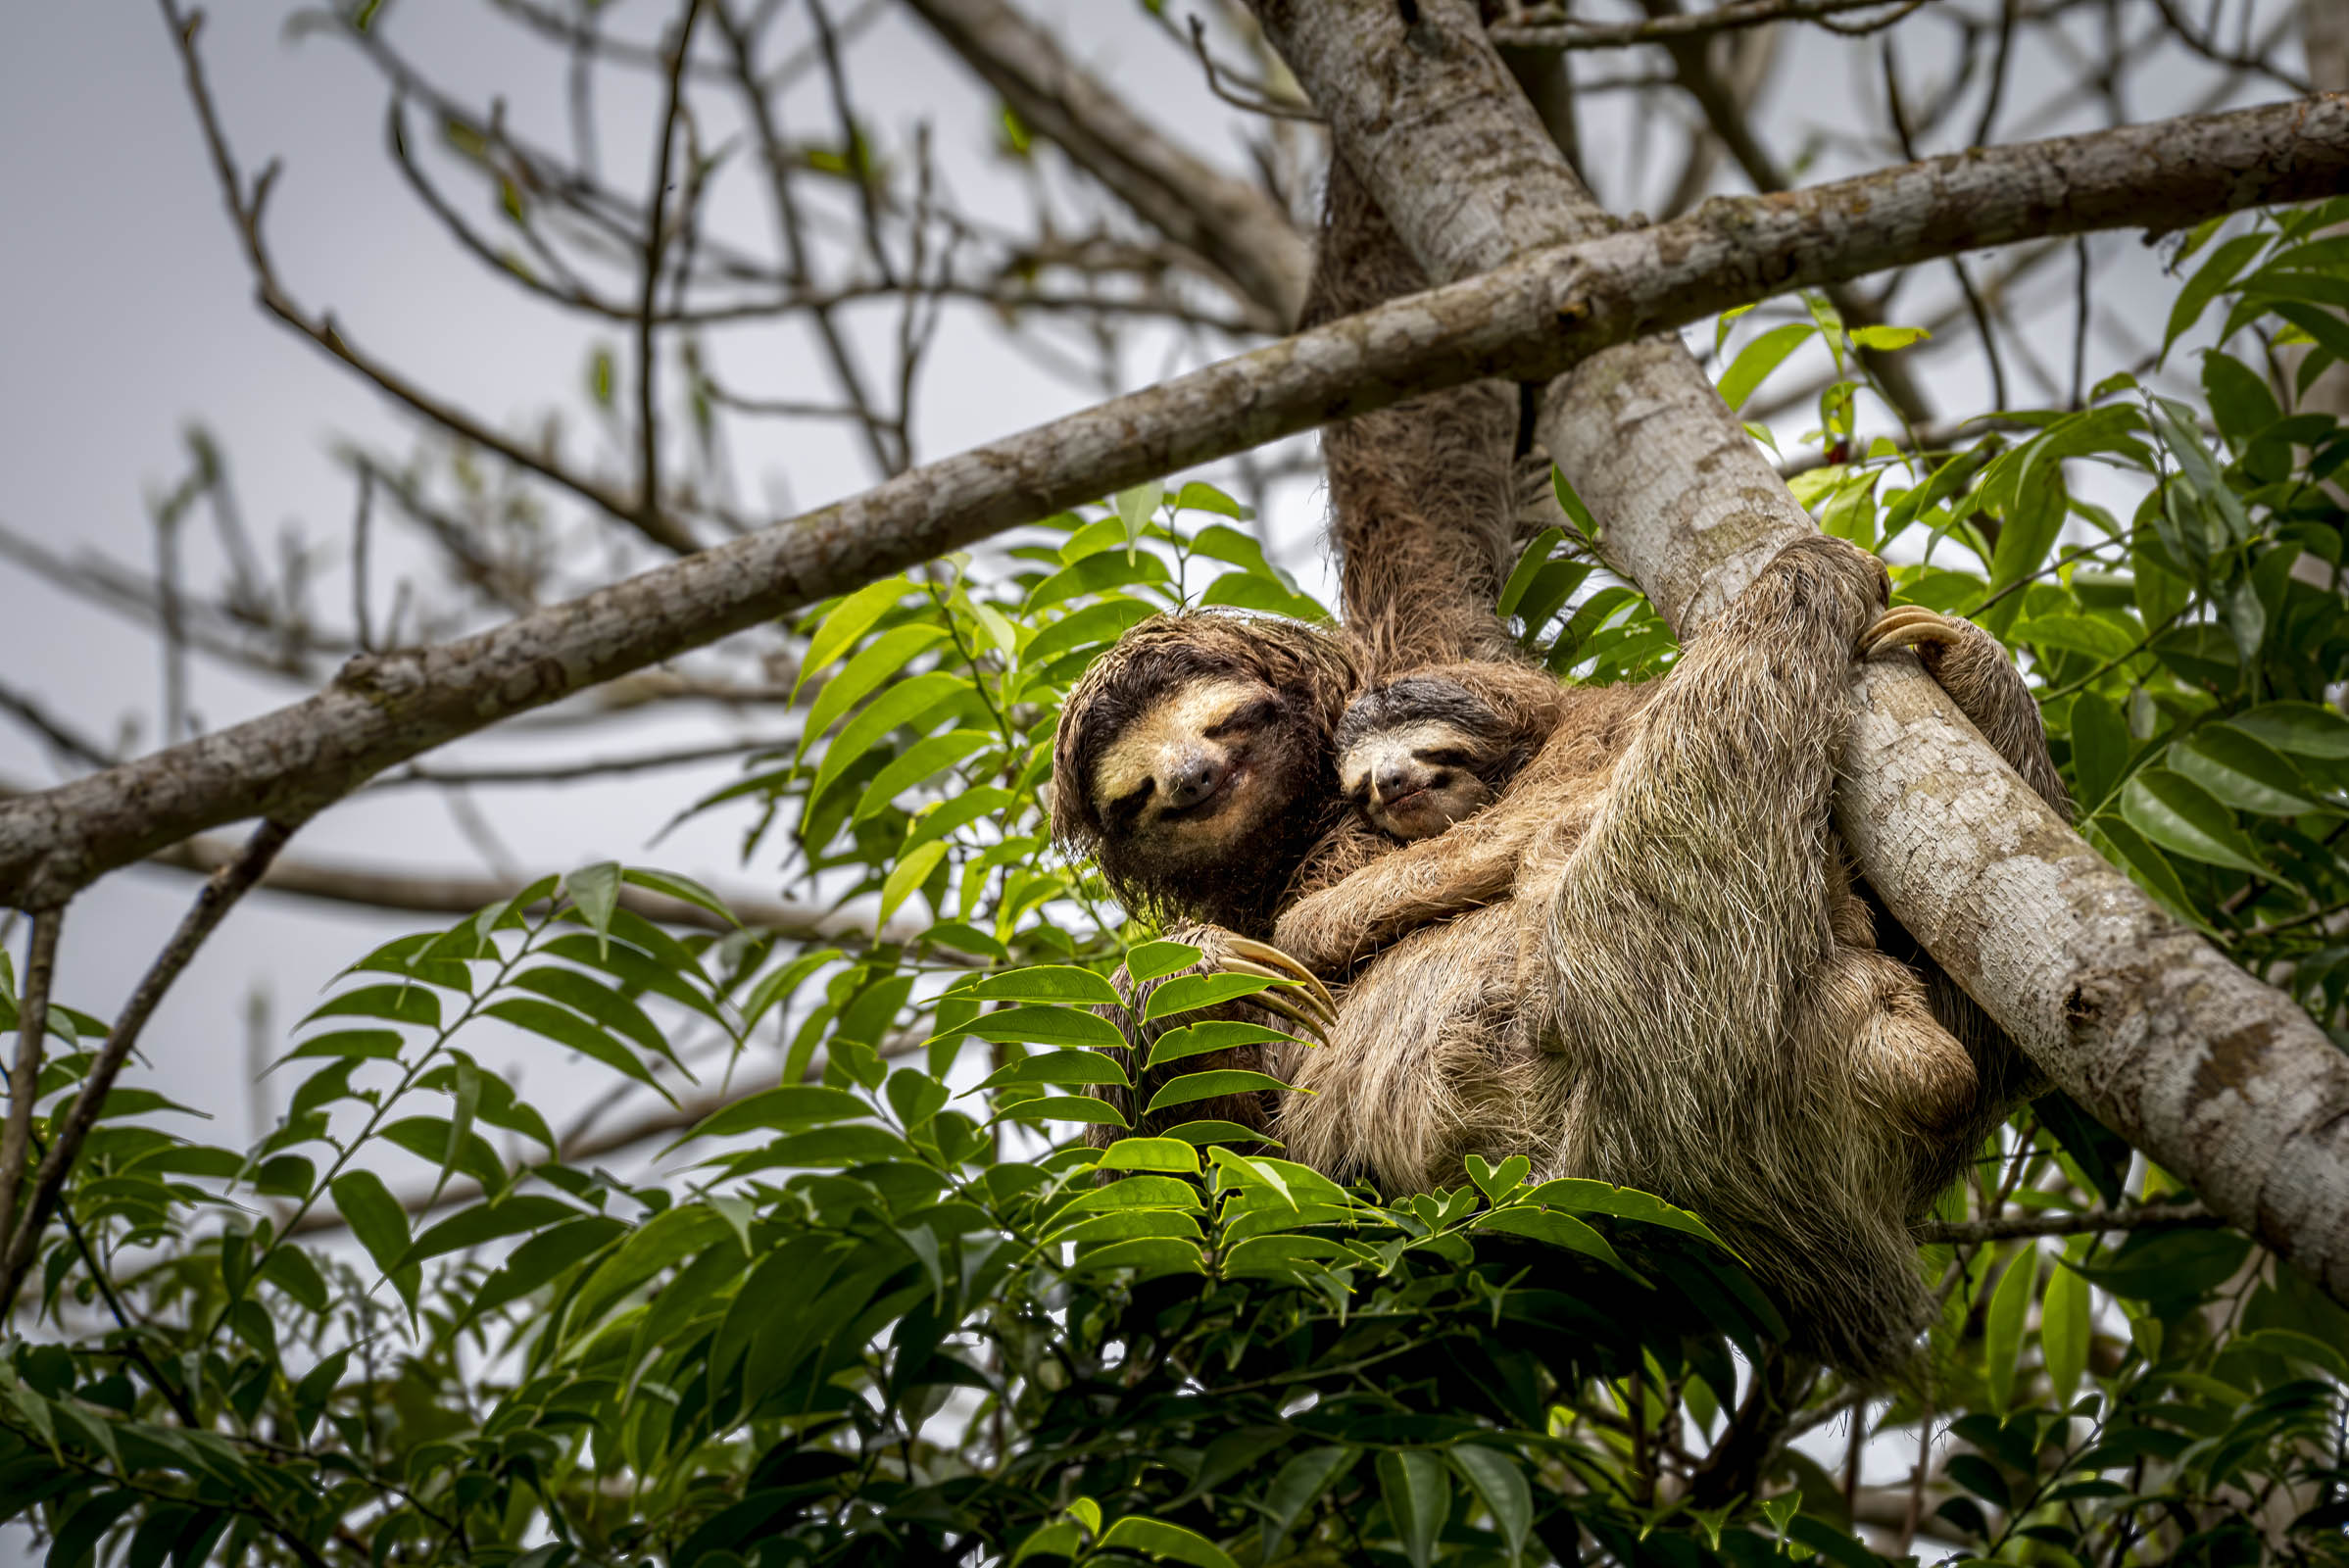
1909 626
1311 1006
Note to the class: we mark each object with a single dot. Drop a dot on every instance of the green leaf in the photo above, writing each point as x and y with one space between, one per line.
1534 558
1199 496
1088 627
2179 814
906 878
1245 590
1064 1107
1158 1538
1190 992
889 653
1418 1500
1501 1485
1042 1026
1884 339
1137 506
485 1222
2064 1333
1296 1488
1584 1196
2243 771
2303 729
911 703
595 892
2002 1331
1152 960
1059 1068
403 1004
2099 746
916 765
1045 982
684 889
1758 357
788 1108
2134 854
378 1220
598 1002
365 1044
569 1029
2204 286
1151 1153
2239 398
1218 1034
1559 1230
849 620
779 984
1193 1086
1125 1224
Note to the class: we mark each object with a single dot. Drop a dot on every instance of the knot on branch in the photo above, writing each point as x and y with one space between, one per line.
382 677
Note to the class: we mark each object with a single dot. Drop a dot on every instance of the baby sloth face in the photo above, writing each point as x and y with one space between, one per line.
1416 755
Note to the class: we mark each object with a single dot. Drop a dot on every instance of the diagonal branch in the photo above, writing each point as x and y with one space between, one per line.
1242 233
1529 319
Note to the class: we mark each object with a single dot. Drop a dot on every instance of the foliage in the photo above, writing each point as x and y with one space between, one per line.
884 1317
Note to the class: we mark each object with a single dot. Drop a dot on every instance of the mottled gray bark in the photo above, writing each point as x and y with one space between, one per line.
1528 320
2218 1078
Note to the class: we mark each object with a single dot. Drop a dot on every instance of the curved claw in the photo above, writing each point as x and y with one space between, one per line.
1281 966
1296 1014
1907 626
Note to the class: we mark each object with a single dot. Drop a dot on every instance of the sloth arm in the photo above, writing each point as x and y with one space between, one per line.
1688 914
1472 863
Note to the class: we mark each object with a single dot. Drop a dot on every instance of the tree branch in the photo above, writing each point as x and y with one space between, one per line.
2006 1227
1526 321
220 893
1242 233
2213 1074
24 1078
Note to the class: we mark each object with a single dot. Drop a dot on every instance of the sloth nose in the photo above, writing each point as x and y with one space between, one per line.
1193 779
1393 780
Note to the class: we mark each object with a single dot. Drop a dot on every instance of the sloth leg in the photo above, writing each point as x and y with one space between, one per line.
1871 1012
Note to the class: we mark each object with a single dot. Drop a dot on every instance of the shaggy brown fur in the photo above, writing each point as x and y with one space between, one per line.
1165 849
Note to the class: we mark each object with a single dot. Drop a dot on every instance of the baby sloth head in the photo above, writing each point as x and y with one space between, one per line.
1420 753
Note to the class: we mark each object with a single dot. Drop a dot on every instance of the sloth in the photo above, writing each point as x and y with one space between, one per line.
1641 957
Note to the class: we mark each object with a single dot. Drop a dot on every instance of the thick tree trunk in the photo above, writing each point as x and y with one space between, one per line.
2218 1078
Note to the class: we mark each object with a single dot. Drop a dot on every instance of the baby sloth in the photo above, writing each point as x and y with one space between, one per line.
1419 753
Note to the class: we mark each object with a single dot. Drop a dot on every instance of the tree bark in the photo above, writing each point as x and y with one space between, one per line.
2218 1078
1526 321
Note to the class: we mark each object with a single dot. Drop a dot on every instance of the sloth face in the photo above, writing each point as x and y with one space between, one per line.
1416 781
1197 773
1413 755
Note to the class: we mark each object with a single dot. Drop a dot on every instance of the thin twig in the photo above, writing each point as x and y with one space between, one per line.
2006 1227
25 1079
1566 34
220 894
648 426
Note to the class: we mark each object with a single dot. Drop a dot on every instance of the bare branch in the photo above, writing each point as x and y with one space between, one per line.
220 893
1240 232
2006 1227
1537 31
24 1078
246 210
1528 320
